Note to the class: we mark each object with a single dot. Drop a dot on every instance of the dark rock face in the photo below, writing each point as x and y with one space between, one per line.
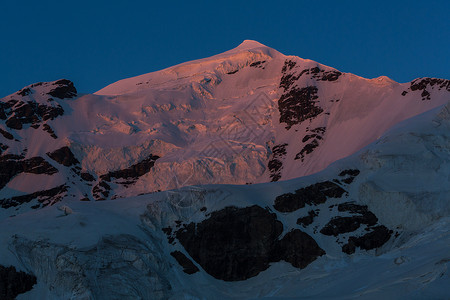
64 156
124 177
186 263
275 163
133 172
312 195
12 165
50 131
315 136
13 282
376 238
349 175
20 113
6 134
64 89
233 243
298 248
258 64
45 198
426 84
239 243
307 220
321 75
298 105
87 176
340 225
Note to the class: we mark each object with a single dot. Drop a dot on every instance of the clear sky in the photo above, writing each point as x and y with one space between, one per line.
95 43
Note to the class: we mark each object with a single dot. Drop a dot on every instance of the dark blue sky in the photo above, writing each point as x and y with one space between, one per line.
95 43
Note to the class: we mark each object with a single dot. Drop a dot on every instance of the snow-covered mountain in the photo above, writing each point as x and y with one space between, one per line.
250 115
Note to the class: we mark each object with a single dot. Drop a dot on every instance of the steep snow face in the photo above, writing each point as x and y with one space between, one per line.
383 210
248 115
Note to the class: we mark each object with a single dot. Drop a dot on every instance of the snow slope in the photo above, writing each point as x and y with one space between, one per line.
122 248
248 115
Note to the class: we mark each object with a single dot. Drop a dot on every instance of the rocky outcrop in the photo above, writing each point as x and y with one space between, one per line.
312 139
312 195
376 238
14 283
64 156
307 220
238 243
12 165
19 113
124 177
63 89
275 164
44 198
186 263
425 85
298 105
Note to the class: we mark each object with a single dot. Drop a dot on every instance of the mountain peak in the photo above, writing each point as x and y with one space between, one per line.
250 44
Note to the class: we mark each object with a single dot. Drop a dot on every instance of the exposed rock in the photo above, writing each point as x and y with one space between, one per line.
19 113
13 282
275 163
6 134
186 263
298 105
307 149
288 65
239 243
64 89
12 165
312 195
258 64
45 198
426 84
64 156
376 238
233 243
133 172
3 148
322 75
350 175
307 220
340 225
298 248
87 176
47 128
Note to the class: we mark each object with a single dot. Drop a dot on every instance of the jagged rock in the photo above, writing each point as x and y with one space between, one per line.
64 156
298 105
275 163
233 243
313 195
376 238
87 176
239 243
133 172
13 282
340 225
307 220
298 248
186 263
6 134
45 198
48 129
12 165
64 89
